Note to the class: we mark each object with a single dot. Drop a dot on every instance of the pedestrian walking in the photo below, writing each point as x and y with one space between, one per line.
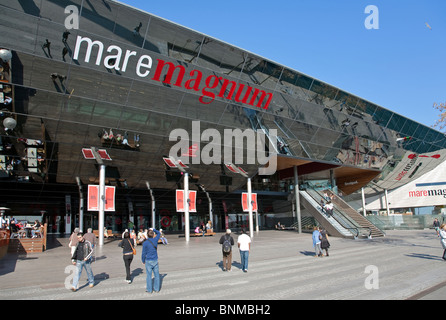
227 242
128 250
73 240
65 36
325 244
244 245
82 259
55 75
64 53
47 45
436 226
149 258
442 233
90 236
136 30
317 242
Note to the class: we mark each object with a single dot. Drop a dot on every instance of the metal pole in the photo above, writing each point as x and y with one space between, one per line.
101 203
257 221
81 204
153 204
387 202
251 224
363 202
211 218
186 207
296 194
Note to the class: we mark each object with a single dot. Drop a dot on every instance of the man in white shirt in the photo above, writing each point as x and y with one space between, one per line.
244 245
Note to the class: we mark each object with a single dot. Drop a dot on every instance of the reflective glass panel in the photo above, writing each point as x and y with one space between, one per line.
396 122
382 116
347 100
99 18
261 72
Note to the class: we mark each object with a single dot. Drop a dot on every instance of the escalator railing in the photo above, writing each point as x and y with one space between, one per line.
347 210
342 219
333 224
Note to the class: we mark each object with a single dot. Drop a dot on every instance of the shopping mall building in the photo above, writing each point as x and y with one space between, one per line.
100 74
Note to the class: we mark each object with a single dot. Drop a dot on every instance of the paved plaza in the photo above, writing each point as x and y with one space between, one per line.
282 266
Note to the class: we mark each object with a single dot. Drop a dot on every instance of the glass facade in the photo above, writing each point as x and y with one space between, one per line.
139 77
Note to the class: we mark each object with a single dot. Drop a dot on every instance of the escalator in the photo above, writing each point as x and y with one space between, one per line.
333 224
344 222
346 209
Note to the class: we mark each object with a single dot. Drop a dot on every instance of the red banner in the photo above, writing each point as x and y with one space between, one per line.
109 198
193 201
245 202
180 201
93 198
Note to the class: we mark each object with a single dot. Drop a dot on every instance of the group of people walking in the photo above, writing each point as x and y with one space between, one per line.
244 245
82 248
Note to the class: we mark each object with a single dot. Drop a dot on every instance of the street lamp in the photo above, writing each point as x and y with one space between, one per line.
153 203
5 55
9 124
99 156
235 169
81 203
173 163
202 188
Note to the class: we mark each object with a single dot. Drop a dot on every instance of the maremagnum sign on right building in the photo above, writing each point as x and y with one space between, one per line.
427 190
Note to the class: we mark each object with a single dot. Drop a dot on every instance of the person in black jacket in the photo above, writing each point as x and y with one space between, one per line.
127 253
227 242
82 259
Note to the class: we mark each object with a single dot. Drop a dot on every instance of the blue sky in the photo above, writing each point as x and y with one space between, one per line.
400 66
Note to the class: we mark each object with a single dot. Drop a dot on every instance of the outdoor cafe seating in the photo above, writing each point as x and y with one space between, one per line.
26 230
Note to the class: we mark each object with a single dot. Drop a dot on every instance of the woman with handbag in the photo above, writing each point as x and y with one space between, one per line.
128 251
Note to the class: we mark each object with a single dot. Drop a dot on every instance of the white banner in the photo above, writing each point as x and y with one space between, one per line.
428 190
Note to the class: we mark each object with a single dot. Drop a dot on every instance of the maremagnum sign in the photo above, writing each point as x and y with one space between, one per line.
170 74
425 191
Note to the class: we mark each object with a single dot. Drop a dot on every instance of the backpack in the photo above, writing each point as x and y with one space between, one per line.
227 245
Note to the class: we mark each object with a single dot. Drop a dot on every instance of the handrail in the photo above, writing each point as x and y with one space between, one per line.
325 215
338 212
344 220
357 231
342 203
